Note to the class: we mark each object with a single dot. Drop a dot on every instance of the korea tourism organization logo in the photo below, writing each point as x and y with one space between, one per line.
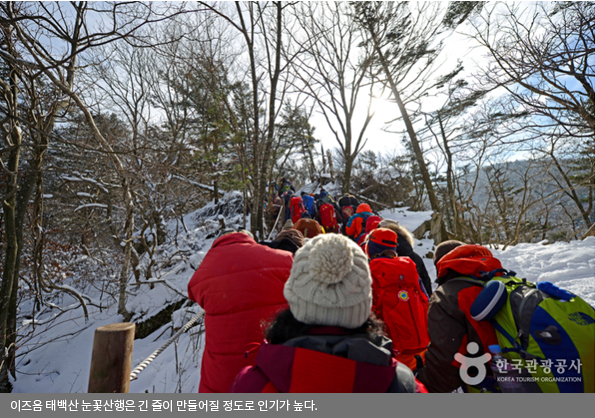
477 363
516 370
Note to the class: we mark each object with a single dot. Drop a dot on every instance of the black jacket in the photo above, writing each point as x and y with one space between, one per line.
283 244
404 249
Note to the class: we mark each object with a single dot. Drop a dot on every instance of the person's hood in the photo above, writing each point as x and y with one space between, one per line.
329 363
363 207
404 247
467 260
233 238
283 244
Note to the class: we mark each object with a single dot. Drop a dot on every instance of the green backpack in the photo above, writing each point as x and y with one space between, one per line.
547 332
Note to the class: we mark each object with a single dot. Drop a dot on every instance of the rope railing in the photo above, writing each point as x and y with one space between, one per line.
134 373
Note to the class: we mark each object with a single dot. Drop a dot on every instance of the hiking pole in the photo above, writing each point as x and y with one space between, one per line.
277 220
148 360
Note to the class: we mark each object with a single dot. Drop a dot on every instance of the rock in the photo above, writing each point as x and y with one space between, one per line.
590 232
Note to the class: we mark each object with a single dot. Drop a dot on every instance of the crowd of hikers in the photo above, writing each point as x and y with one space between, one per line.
340 302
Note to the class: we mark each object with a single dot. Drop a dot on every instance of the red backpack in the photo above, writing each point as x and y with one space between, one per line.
399 301
296 205
328 218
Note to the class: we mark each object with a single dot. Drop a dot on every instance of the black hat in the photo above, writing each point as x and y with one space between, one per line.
444 248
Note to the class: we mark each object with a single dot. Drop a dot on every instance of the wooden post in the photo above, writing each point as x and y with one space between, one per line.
112 358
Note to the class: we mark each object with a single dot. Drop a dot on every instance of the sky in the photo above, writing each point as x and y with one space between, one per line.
380 133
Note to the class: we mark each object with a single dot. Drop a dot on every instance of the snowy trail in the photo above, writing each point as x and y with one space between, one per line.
62 366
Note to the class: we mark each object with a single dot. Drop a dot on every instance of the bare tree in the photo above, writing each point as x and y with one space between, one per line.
48 39
261 26
332 71
541 55
406 41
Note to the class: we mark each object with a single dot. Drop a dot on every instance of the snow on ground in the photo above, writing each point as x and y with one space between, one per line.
61 364
410 220
569 265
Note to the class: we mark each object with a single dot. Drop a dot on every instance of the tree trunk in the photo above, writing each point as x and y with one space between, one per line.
330 165
262 159
128 231
22 201
10 260
450 179
347 178
412 137
9 205
411 132
572 192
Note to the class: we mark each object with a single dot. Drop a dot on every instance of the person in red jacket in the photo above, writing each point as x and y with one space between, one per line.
405 249
328 341
239 284
356 225
399 298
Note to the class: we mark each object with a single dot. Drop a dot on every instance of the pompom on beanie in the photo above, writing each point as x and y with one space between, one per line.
330 283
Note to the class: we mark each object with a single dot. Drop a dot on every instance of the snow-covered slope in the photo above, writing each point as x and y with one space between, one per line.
569 265
61 364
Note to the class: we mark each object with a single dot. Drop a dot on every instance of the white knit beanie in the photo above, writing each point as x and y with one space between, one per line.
330 283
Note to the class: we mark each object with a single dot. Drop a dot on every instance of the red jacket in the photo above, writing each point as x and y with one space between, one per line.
327 364
239 284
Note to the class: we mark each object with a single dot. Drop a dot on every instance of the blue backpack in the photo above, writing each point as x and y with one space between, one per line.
309 204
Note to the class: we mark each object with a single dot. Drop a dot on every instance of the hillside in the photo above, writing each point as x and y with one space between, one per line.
55 357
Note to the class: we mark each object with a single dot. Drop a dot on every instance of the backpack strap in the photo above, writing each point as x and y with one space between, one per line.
516 347
476 282
486 276
404 380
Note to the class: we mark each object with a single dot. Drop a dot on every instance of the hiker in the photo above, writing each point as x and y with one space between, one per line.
288 240
348 205
328 341
287 225
275 206
309 204
450 325
285 186
371 223
405 249
328 213
286 192
239 284
398 297
487 308
309 227
357 223
349 200
296 208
